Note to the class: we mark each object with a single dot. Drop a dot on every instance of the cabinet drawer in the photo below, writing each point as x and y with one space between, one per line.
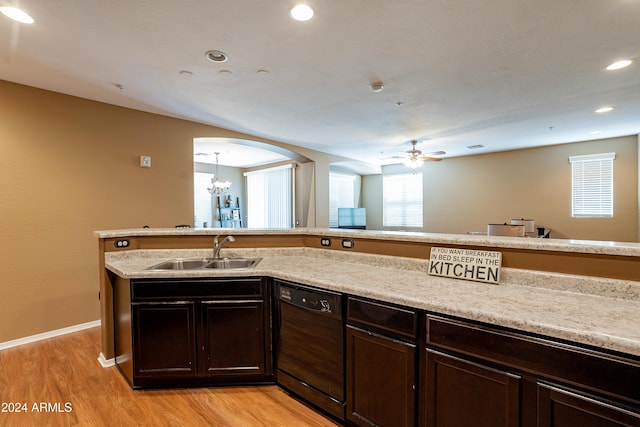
386 318
207 288
599 371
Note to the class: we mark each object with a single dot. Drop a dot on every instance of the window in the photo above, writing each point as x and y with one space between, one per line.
402 200
342 194
592 185
202 210
270 197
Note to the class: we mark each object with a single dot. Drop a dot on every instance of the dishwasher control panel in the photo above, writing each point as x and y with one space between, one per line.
311 299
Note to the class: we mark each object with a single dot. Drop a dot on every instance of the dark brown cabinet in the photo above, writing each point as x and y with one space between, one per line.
381 364
234 338
193 332
462 393
164 339
559 407
481 375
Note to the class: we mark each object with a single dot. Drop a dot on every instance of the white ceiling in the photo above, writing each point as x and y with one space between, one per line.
499 73
240 153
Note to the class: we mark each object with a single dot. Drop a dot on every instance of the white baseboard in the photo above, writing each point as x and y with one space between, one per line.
50 334
106 363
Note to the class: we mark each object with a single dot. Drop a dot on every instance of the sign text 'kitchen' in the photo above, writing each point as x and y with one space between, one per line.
466 264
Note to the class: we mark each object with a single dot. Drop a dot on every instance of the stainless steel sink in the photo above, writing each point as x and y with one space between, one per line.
181 264
201 263
233 263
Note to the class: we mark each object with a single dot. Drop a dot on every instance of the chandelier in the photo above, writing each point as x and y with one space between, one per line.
218 186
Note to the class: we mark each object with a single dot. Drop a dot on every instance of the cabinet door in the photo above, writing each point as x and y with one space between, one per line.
381 376
562 408
164 339
461 393
234 341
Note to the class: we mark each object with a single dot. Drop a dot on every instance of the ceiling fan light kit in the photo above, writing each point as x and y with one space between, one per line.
416 159
413 163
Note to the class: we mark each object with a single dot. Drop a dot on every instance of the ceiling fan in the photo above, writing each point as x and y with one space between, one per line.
415 158
416 155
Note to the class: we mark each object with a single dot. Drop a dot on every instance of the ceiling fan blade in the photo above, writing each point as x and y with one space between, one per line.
430 159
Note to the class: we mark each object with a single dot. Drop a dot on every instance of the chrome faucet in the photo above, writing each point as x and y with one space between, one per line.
217 245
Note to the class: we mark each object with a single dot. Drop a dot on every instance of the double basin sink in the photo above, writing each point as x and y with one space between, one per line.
205 263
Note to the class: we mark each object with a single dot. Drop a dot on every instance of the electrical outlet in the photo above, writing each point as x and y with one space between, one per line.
348 243
325 241
122 243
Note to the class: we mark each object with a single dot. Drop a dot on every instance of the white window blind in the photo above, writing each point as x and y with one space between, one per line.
342 194
202 207
402 200
592 185
270 198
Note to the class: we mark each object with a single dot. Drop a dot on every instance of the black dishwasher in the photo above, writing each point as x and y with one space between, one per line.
310 345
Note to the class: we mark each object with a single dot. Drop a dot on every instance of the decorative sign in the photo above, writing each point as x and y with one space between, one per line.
466 264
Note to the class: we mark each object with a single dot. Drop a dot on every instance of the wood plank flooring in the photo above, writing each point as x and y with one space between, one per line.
59 382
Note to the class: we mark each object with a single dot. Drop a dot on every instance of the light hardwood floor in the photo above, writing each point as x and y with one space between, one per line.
61 383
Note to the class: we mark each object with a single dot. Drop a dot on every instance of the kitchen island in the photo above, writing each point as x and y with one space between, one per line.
600 307
568 293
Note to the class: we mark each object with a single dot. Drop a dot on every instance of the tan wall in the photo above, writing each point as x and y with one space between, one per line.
464 194
69 166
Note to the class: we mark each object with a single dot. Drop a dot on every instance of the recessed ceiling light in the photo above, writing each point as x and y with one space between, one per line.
619 64
216 56
376 86
604 109
595 132
301 12
17 14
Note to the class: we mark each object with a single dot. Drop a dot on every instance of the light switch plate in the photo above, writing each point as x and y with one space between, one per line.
145 161
348 243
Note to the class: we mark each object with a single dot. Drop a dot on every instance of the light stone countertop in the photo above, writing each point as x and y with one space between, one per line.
599 312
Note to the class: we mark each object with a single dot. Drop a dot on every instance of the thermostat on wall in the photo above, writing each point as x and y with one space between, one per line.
145 161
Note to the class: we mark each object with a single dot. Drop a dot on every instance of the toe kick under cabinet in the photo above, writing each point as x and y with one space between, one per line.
193 332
